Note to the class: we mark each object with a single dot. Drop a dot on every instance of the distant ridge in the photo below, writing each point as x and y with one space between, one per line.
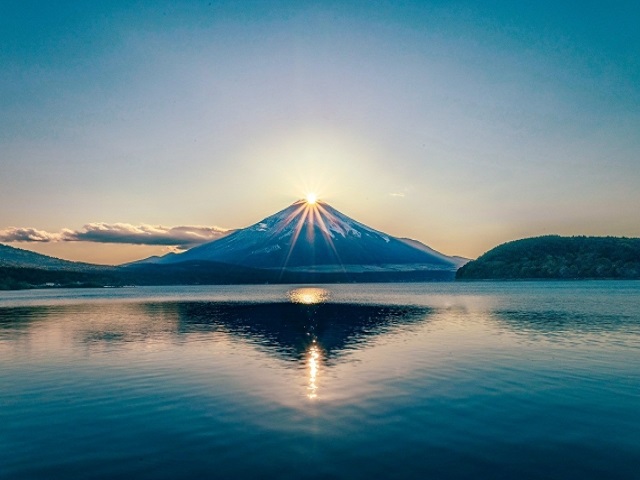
17 257
556 257
459 261
25 269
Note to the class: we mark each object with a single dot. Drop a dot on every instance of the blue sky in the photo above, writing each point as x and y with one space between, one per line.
461 124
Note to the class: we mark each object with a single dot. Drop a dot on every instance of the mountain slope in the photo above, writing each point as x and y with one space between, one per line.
19 258
459 261
312 236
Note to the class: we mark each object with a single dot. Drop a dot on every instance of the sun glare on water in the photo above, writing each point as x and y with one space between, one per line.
308 295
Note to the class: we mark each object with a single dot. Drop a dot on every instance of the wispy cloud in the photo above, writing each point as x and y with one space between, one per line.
182 236
402 192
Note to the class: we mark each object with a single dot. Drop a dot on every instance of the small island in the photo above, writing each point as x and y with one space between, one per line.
557 257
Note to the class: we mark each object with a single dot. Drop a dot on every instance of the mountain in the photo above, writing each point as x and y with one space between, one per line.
556 257
315 237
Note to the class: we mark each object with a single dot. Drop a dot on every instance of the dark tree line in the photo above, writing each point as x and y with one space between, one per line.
13 278
197 273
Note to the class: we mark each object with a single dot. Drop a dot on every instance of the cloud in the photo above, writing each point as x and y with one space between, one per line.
17 234
397 194
181 237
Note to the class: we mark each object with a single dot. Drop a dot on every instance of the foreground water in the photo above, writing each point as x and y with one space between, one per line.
522 380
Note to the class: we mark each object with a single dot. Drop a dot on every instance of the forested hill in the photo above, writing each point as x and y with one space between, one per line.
556 257
18 258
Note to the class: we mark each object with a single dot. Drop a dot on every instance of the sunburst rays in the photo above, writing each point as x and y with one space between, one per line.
313 214
325 231
296 233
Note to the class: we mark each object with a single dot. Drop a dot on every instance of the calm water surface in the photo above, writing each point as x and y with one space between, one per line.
492 380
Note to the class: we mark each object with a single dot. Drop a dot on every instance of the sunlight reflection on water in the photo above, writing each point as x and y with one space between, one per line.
314 367
308 295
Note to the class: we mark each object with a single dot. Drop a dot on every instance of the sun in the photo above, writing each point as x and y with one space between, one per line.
311 198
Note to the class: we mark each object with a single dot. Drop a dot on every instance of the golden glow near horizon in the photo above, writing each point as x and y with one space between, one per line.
311 198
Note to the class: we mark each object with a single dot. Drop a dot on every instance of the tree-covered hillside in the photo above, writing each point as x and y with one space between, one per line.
17 257
555 257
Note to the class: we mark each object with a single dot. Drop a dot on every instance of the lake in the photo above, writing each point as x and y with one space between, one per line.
435 380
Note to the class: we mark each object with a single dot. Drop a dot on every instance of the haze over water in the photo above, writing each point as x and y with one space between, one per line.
526 380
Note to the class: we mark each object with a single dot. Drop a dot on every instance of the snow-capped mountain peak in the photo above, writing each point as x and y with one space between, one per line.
308 235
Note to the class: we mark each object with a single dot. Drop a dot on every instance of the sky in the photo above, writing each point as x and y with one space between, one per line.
136 128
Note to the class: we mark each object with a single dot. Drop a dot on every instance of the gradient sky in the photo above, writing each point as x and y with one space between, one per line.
460 124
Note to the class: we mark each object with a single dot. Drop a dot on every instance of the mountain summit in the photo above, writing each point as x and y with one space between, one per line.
313 236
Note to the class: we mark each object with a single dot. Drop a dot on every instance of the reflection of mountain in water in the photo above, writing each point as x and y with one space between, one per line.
287 329
290 329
